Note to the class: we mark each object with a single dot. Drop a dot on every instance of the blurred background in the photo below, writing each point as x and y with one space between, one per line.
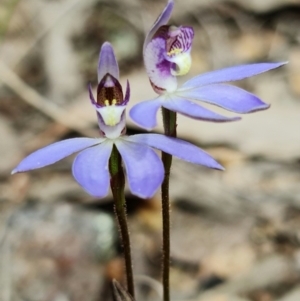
235 234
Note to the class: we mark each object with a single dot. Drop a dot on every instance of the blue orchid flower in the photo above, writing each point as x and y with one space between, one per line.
167 55
143 166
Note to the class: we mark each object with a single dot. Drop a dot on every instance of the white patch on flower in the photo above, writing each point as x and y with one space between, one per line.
117 130
183 62
111 114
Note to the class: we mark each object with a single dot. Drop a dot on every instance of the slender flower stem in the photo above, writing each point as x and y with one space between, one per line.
169 121
117 184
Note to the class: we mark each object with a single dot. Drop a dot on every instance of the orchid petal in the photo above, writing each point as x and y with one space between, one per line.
178 148
144 168
54 152
90 169
144 113
160 21
228 97
127 94
159 69
107 62
194 110
230 74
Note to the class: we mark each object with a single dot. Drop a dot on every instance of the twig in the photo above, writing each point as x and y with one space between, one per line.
33 98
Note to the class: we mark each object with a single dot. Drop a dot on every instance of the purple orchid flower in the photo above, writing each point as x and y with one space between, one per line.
167 55
143 166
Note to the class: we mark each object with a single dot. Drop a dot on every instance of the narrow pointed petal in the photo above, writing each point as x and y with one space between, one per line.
194 110
161 20
225 96
90 169
144 113
144 168
230 74
54 152
107 62
178 148
127 94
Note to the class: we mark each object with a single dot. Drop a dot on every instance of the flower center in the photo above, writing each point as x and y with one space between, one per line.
178 43
174 51
109 91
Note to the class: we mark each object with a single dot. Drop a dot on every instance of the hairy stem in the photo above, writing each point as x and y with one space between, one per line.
117 183
169 121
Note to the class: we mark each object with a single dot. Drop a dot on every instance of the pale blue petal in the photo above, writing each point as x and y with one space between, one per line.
178 148
160 21
228 97
107 62
144 168
90 169
230 74
144 113
54 152
194 110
